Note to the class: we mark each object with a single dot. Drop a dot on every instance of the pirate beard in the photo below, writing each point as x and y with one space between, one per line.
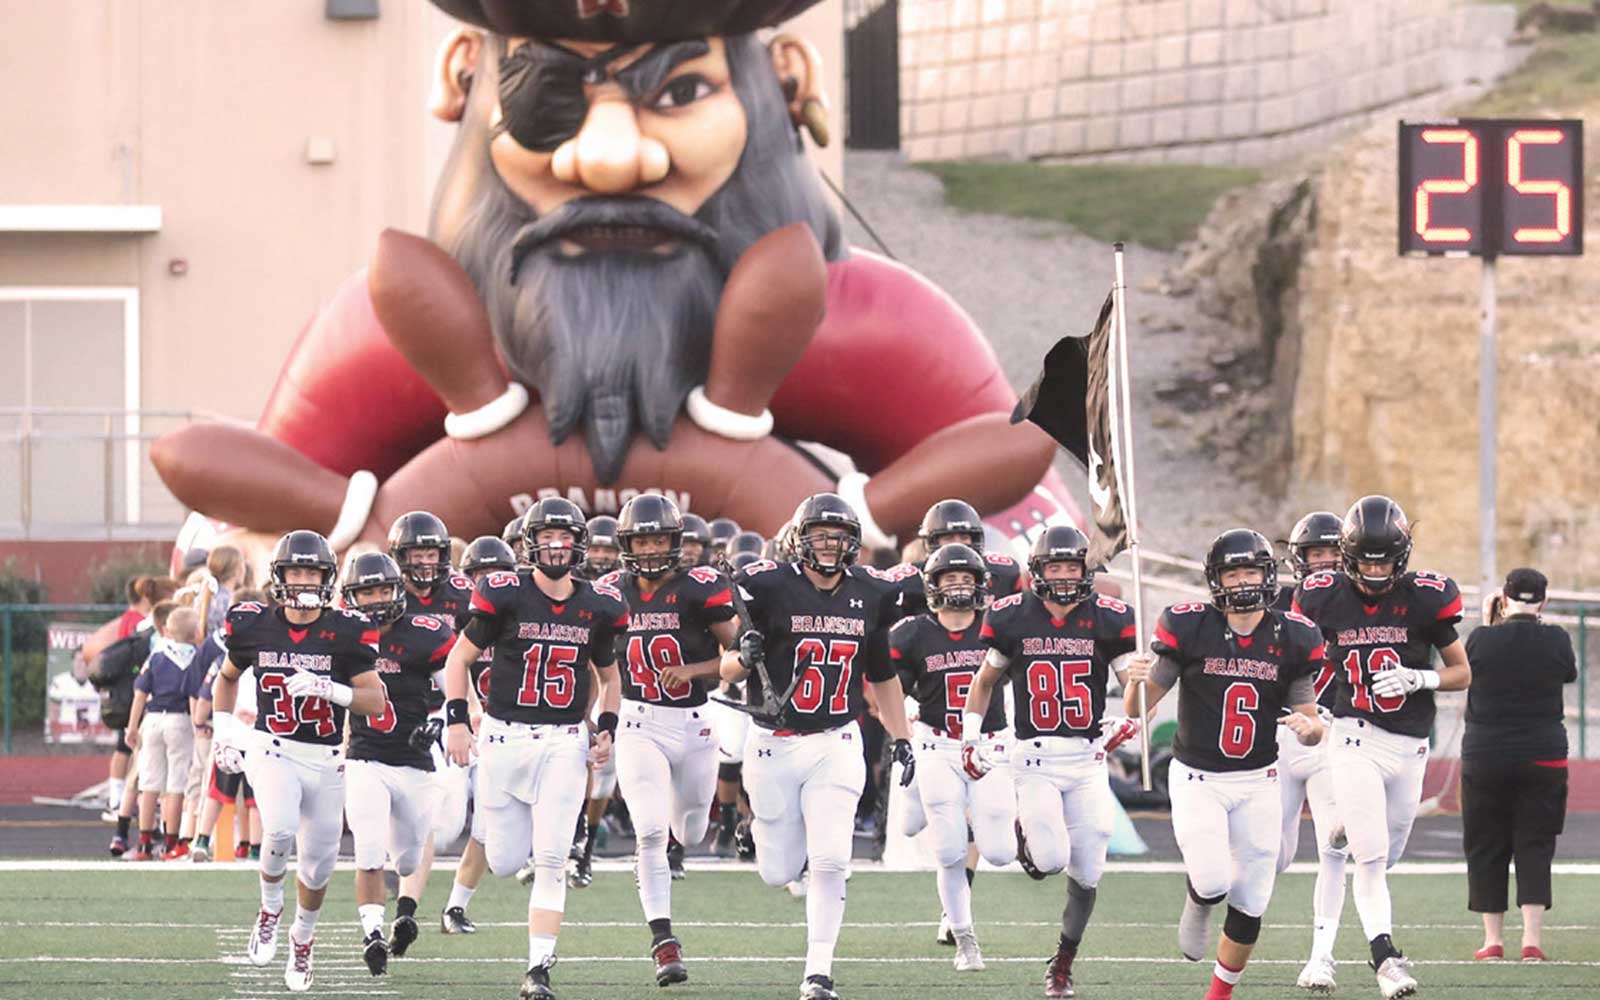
616 338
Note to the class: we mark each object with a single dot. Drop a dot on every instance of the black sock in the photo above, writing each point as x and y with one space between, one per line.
1382 948
727 814
660 929
1067 946
972 873
123 823
405 906
202 840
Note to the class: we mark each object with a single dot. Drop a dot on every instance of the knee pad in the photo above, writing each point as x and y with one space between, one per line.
407 860
651 837
1205 900
730 771
504 860
275 849
1240 927
369 856
549 890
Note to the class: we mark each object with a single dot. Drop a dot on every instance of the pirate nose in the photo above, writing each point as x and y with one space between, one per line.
609 155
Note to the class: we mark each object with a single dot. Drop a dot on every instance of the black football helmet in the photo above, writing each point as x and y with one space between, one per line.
554 512
747 541
833 511
368 571
1375 531
651 514
301 549
1235 548
721 530
950 517
695 532
419 529
487 553
946 559
512 536
739 560
1318 529
1060 543
602 532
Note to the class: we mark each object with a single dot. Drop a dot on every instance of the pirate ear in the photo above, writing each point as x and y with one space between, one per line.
799 69
452 79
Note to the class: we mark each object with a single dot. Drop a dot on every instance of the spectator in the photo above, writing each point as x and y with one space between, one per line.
161 729
217 787
1514 760
142 594
201 670
225 572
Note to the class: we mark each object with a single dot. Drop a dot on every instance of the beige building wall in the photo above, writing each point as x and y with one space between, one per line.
211 111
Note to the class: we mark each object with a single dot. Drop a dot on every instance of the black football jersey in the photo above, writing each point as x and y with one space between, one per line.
408 654
834 638
1233 688
937 667
340 644
1366 635
451 603
1059 668
542 648
478 673
1005 576
670 628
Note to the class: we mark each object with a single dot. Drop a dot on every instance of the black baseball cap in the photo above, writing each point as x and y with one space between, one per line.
1525 586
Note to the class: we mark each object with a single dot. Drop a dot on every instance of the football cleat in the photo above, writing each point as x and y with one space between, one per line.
1194 929
968 957
526 873
675 860
264 938
297 974
581 874
724 846
1024 858
1395 979
668 955
744 841
140 853
818 988
402 935
119 846
536 984
176 852
1058 976
1317 976
946 934
200 854
455 921
375 952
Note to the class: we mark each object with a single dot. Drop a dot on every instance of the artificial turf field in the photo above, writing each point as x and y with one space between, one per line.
111 931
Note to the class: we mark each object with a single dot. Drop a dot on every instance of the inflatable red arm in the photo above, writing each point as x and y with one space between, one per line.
346 398
895 360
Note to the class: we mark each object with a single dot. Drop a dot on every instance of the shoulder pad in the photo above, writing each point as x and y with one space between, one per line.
1319 581
1010 601
757 567
611 579
1110 604
499 579
606 590
895 573
706 575
242 616
459 581
427 622
996 559
1438 593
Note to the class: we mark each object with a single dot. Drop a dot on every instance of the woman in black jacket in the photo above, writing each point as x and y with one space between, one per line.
1514 759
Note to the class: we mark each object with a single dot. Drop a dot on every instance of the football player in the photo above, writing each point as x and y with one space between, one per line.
390 798
817 628
601 554
1382 624
312 663
938 654
1303 774
547 629
1058 645
721 531
666 752
420 545
1241 663
696 539
486 554
512 536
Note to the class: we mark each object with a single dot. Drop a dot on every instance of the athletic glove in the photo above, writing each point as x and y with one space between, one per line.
306 684
974 761
906 759
1124 730
1399 681
752 649
426 735
230 759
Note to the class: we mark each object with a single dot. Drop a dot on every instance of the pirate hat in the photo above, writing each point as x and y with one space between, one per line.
622 20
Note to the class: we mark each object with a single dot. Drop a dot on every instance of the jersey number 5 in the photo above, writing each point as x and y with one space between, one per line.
548 677
810 655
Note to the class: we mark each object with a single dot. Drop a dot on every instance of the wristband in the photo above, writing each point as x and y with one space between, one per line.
455 711
341 694
1430 679
223 726
607 723
971 725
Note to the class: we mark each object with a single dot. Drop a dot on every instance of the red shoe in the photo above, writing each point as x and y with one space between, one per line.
241 851
175 852
140 853
1490 953
119 846
1532 954
1058 976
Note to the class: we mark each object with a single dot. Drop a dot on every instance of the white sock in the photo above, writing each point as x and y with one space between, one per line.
955 895
655 880
460 896
824 917
1327 903
305 925
1227 975
541 947
371 918
272 896
1372 898
114 793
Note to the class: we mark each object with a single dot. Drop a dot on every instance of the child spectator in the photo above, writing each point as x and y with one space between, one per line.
161 729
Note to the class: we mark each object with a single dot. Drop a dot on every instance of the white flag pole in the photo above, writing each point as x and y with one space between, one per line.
1130 506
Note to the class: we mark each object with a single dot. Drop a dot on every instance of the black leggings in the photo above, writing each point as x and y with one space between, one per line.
1510 809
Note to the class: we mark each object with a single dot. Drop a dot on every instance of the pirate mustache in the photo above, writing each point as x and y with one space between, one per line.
647 218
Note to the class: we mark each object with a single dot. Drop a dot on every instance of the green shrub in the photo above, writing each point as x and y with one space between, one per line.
108 579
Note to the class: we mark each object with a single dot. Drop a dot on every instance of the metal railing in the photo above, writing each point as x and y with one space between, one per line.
85 472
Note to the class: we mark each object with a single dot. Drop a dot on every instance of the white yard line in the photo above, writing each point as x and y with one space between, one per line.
752 959
335 927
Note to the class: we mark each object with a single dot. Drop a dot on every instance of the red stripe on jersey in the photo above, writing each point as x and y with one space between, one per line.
1294 607
894 654
1130 631
1320 653
444 650
481 603
370 637
621 622
1451 610
1165 636
986 632
1324 678
720 598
